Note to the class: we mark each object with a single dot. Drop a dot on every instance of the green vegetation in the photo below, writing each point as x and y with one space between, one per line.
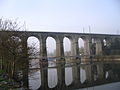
7 84
113 48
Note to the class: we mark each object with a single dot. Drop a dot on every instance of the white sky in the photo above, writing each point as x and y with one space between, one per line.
64 15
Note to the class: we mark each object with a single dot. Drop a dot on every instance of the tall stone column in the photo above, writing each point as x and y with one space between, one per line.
59 48
60 63
75 48
76 56
43 50
87 46
98 46
43 63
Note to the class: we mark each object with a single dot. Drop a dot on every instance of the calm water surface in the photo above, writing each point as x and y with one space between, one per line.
35 77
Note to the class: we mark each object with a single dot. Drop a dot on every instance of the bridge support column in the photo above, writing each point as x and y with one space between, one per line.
75 49
59 49
98 47
43 50
43 64
87 46
76 60
60 63
87 49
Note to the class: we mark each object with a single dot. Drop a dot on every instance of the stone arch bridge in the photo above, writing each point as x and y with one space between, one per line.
99 40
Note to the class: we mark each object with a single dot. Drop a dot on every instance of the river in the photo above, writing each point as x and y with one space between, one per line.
35 76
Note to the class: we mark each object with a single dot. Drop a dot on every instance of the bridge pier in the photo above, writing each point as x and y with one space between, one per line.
60 62
87 49
98 46
43 64
75 49
60 49
87 46
43 50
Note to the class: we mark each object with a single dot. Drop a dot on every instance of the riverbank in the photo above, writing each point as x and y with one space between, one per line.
7 83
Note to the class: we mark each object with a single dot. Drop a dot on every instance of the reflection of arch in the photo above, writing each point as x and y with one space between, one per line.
52 78
82 74
68 76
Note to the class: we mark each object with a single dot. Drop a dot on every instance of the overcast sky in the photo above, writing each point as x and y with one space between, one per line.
65 15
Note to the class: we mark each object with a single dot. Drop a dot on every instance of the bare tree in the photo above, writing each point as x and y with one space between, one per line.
13 51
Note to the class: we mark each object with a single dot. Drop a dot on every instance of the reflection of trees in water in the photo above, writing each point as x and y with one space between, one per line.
113 70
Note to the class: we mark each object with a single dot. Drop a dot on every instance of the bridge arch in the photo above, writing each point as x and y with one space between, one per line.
106 45
67 47
55 37
93 46
33 44
81 46
52 78
51 47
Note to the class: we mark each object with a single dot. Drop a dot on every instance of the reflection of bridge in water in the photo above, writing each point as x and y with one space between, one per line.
96 73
